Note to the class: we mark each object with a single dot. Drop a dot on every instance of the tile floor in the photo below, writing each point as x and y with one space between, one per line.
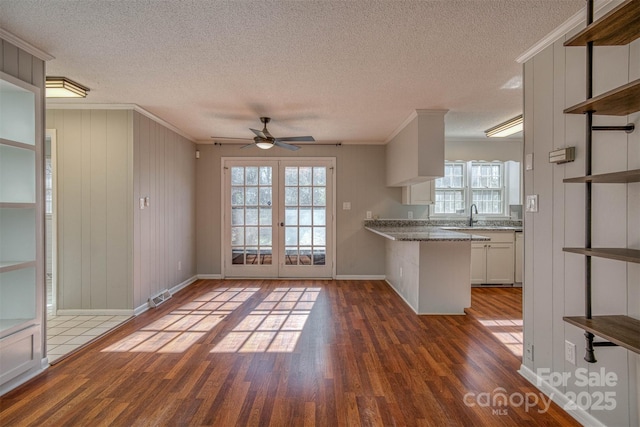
66 334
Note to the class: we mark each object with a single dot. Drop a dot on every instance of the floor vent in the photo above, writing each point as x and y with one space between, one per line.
159 299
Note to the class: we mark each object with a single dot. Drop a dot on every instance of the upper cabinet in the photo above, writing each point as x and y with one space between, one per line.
416 153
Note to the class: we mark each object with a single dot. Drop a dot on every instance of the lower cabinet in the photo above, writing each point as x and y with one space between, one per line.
493 262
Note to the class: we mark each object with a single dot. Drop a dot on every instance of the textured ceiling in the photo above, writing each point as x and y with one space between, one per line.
348 71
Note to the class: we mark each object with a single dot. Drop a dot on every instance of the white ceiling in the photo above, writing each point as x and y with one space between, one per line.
349 71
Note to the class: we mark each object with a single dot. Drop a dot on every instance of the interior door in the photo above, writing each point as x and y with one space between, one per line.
278 218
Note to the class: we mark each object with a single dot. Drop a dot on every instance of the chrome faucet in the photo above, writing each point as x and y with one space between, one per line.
471 221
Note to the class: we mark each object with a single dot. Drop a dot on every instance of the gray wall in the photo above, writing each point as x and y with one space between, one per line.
360 179
164 232
111 254
94 195
554 280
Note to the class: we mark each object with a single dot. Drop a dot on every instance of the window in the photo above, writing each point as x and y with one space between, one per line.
487 188
450 190
466 183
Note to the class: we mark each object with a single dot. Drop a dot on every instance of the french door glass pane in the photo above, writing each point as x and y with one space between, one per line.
305 215
251 215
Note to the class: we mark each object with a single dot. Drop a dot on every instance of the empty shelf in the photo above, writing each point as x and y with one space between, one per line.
620 254
621 330
618 27
620 101
609 178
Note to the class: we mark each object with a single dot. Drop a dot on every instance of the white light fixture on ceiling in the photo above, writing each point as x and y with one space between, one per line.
505 129
264 144
62 87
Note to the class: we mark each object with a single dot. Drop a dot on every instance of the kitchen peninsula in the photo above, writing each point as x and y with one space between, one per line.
429 267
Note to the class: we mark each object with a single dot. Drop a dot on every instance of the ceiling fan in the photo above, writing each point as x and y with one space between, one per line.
265 140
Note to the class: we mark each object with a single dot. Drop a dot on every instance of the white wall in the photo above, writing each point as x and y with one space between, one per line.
554 280
111 254
489 149
360 179
94 170
164 232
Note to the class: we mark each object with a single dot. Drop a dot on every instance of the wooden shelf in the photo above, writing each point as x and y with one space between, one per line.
621 330
608 178
620 254
618 27
12 205
16 144
620 101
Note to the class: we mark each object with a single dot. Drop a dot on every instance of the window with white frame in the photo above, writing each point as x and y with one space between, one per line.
467 183
451 189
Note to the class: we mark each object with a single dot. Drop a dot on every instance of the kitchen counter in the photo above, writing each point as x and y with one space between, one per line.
422 234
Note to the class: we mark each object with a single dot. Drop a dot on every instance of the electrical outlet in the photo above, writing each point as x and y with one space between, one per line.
400 271
529 351
141 202
179 265
410 214
346 206
369 214
570 352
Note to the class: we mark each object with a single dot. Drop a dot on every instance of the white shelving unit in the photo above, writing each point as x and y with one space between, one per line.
21 255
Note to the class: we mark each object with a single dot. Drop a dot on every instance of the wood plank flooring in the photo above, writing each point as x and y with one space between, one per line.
289 353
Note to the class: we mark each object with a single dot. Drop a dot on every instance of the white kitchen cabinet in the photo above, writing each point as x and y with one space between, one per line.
492 262
519 254
21 222
419 194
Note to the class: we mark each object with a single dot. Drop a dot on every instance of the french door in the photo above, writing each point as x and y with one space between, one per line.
278 217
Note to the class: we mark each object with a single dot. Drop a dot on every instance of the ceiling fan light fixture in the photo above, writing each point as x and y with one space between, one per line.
62 87
506 128
265 145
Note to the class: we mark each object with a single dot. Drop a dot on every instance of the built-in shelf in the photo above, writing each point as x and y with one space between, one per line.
16 144
618 27
621 101
608 178
621 330
620 254
15 265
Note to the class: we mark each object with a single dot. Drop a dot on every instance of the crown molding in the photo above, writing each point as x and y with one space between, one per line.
555 35
134 107
27 47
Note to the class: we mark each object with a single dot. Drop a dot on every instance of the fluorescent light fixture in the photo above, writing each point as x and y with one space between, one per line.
265 145
505 129
62 87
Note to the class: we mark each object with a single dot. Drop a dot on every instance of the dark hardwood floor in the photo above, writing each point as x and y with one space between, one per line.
291 353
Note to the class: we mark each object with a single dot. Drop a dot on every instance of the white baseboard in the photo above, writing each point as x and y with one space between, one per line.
145 306
209 276
580 415
360 277
400 295
96 312
23 378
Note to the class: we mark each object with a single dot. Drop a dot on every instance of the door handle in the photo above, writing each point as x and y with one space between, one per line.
282 224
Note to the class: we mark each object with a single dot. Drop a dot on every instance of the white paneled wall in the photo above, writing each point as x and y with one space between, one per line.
111 254
554 280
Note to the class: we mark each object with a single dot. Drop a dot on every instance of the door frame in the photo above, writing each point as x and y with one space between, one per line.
52 134
332 214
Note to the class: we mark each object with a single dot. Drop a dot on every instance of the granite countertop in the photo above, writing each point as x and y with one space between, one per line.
422 234
412 230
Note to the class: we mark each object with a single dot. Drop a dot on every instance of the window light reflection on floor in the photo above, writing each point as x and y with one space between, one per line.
508 332
274 326
183 327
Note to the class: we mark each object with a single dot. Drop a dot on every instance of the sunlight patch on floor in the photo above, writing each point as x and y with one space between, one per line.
183 327
508 332
274 326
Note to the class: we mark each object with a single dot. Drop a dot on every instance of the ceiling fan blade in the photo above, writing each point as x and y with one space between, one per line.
297 138
248 145
286 146
225 137
259 133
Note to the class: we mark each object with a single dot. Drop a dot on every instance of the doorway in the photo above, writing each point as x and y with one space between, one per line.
50 221
278 217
